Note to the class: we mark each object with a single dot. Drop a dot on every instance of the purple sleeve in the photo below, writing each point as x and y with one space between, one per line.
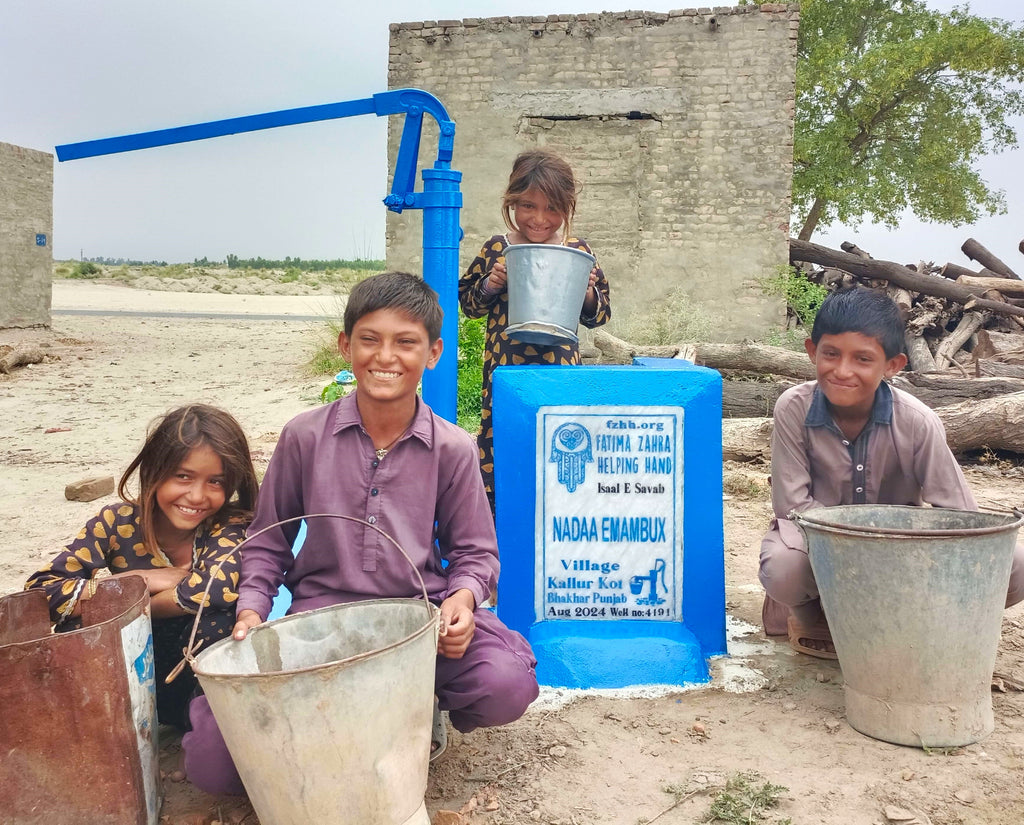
465 527
268 557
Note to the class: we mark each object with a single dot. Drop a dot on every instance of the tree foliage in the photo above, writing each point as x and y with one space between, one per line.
894 102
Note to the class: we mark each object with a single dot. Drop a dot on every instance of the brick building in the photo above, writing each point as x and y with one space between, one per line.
679 125
26 236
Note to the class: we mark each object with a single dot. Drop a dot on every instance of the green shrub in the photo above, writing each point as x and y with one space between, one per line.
673 319
803 296
470 372
85 269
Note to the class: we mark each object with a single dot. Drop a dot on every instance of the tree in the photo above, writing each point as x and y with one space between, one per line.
894 101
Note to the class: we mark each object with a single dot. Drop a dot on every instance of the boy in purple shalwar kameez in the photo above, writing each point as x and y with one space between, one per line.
381 455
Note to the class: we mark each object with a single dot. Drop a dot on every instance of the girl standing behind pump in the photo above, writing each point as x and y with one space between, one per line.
197 488
538 207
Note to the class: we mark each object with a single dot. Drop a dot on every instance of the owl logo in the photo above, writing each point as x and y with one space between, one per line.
570 450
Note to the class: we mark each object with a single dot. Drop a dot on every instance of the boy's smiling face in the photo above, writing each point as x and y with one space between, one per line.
388 351
850 367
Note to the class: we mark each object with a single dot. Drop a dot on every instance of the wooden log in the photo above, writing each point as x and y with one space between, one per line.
20 357
930 313
1005 286
906 278
745 357
969 324
992 423
616 351
999 369
753 399
1006 346
902 298
954 271
996 423
747 439
853 249
759 358
994 289
919 355
832 277
942 390
976 252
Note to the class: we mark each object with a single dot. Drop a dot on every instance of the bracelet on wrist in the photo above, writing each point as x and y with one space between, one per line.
89 590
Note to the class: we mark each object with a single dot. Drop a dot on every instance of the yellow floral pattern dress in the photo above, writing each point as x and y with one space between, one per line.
499 349
112 541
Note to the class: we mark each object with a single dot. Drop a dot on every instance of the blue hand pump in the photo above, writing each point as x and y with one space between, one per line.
440 199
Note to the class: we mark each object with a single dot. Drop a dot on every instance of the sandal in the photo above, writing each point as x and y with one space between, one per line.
801 636
438 732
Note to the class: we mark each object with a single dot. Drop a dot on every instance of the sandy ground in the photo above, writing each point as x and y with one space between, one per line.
573 759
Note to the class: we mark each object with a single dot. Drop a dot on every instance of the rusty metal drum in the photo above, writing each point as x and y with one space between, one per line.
78 725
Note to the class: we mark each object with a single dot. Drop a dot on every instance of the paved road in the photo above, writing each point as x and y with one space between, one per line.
85 298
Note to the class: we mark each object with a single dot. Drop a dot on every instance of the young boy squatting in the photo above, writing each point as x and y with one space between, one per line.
850 438
382 455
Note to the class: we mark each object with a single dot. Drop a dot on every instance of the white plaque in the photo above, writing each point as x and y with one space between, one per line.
609 513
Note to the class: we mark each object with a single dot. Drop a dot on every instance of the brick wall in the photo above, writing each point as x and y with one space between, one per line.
26 236
679 126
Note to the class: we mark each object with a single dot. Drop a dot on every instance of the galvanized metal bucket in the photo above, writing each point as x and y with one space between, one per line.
74 701
546 288
914 598
328 714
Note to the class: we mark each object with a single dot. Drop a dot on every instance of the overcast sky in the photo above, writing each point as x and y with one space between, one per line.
74 70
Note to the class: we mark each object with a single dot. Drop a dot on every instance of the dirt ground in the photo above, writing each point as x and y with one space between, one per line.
575 758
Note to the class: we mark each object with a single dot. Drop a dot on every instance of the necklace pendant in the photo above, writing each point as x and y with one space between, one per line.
381 453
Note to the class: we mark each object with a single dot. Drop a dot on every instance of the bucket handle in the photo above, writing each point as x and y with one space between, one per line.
190 651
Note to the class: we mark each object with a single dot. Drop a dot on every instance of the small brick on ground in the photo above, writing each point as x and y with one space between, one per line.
89 489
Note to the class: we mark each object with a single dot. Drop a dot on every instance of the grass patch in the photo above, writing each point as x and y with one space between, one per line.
672 320
746 800
238 280
740 485
792 339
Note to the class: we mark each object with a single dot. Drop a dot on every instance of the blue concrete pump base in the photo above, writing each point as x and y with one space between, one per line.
616 655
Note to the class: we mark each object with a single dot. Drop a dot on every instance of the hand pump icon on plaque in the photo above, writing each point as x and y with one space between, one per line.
636 584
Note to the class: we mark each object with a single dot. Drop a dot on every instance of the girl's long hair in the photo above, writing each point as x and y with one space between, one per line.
546 171
169 441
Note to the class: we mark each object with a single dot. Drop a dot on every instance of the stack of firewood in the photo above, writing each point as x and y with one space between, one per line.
964 342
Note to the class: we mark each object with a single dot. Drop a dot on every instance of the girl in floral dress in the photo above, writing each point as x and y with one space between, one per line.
538 207
197 488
